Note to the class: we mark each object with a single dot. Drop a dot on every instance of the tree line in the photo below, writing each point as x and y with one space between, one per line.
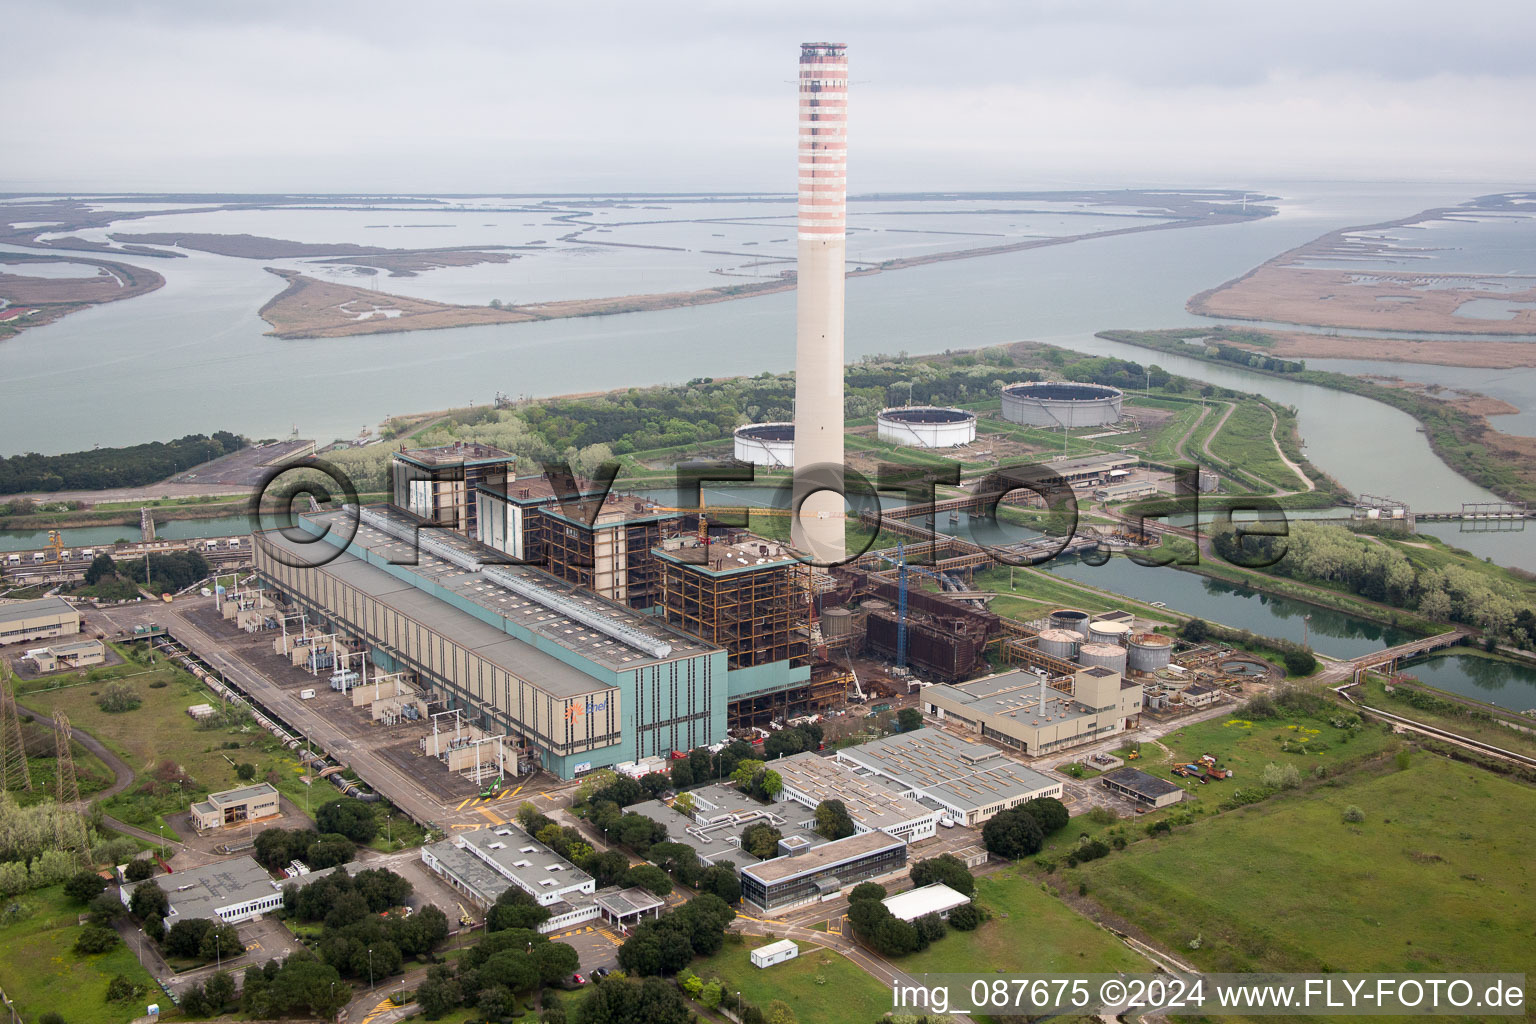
102 468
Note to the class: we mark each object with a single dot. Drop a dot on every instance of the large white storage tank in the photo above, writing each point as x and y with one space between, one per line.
1054 403
766 444
1060 643
1108 631
926 426
1110 656
1148 652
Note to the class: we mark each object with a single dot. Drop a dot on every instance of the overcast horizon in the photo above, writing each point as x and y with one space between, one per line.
482 98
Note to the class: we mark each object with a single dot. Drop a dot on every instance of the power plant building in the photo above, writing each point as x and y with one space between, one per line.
610 553
1019 709
42 619
573 681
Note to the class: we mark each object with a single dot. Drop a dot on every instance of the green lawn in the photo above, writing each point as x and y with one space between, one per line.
1436 878
1030 931
819 985
1247 745
40 970
159 731
1245 442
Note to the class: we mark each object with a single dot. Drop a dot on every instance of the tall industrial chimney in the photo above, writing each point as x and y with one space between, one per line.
818 530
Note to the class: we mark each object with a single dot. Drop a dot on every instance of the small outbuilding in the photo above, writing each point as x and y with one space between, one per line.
774 953
937 898
1148 790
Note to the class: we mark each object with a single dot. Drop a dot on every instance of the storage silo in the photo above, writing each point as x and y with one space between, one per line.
1107 631
1110 656
1148 652
1070 618
836 622
1060 643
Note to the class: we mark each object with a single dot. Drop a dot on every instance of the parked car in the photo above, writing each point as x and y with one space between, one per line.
578 979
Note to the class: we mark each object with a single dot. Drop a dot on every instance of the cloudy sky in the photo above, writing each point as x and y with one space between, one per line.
337 95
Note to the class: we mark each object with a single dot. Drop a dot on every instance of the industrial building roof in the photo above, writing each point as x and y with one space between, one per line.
741 552
1090 463
715 834
243 794
937 898
471 871
623 903
456 454
204 891
1016 695
515 656
615 509
822 858
1139 782
74 646
535 866
871 800
32 609
517 610
954 771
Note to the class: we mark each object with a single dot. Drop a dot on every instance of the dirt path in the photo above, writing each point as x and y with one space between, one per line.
1274 426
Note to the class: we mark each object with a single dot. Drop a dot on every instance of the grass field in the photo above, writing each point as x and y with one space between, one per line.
1030 931
1245 441
40 970
159 731
1034 592
819 985
1436 878
1473 724
1247 745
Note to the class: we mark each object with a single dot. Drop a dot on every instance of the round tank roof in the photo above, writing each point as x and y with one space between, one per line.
1062 391
1102 650
767 431
1151 640
1064 636
926 414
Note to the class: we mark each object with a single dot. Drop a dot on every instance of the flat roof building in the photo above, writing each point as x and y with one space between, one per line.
821 872
1141 787
484 863
937 898
231 891
1125 491
73 654
235 807
1086 469
873 802
42 619
970 781
714 830
1020 709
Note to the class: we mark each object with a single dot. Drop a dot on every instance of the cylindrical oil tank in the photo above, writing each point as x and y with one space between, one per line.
1060 643
836 622
1172 680
1102 631
1110 656
1070 618
1148 652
